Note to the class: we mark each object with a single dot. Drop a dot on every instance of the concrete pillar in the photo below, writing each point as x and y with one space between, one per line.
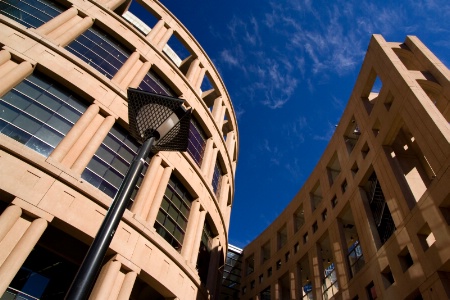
199 79
19 254
294 282
155 30
222 119
216 111
148 185
316 265
127 286
13 77
191 230
213 265
198 237
8 218
4 56
159 35
154 208
207 153
106 281
193 70
88 152
126 67
75 31
223 195
339 249
113 4
140 75
231 143
212 164
57 21
165 38
227 216
74 133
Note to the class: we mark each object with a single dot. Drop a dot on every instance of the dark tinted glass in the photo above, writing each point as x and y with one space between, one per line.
30 13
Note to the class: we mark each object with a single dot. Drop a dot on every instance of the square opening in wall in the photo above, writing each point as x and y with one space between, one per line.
405 259
426 237
387 277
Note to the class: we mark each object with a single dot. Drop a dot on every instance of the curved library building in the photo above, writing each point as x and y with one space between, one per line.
65 68
372 221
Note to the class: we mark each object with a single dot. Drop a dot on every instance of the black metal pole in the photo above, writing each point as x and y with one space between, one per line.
90 267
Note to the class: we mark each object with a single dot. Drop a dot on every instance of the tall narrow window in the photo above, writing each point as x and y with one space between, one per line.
380 210
30 13
217 176
39 112
100 50
197 142
152 82
204 252
173 214
110 163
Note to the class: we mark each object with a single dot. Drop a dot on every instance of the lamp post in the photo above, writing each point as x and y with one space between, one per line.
160 123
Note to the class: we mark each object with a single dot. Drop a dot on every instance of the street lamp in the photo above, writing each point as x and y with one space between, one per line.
159 123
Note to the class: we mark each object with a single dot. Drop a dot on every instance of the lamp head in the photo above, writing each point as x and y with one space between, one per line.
158 116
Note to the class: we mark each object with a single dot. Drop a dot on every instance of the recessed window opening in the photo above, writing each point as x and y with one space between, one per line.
380 210
407 58
405 259
265 252
197 141
154 83
333 169
354 251
365 150
217 177
299 218
355 169
204 252
136 14
413 164
305 281
352 134
388 101
387 277
173 215
282 237
444 207
31 13
426 237
100 50
39 112
371 91
108 166
176 49
249 264
371 291
330 284
316 195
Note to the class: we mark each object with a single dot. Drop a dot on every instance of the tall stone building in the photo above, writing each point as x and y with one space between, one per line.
65 66
373 219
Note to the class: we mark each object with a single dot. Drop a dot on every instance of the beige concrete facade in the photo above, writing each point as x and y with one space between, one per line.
373 219
45 197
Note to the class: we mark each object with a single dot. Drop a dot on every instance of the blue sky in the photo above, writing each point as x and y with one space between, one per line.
289 67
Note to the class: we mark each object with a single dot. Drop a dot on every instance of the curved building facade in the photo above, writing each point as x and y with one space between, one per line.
65 67
373 219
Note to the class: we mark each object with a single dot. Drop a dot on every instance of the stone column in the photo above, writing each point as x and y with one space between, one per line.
213 265
8 218
74 133
106 281
19 254
165 38
127 286
140 75
194 67
4 56
126 67
15 76
316 265
74 31
198 237
156 204
230 143
57 21
88 152
216 111
223 196
207 153
155 30
294 282
222 119
191 230
339 249
199 79
149 184
113 4
212 164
